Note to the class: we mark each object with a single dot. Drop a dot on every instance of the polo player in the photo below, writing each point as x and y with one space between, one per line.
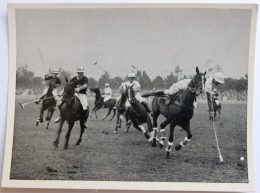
136 87
54 82
107 94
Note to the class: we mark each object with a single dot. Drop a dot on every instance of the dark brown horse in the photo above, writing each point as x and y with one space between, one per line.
121 113
138 115
71 110
178 111
99 103
48 103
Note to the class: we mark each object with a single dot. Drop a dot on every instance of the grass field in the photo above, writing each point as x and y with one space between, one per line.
104 155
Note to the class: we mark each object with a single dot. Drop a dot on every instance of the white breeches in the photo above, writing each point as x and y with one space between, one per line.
217 102
83 100
106 98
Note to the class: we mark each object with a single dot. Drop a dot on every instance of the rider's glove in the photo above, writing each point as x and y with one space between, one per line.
77 90
211 116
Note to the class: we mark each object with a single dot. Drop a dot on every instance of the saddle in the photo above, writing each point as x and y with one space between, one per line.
174 99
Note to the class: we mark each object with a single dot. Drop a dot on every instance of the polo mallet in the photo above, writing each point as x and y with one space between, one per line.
34 101
100 67
219 153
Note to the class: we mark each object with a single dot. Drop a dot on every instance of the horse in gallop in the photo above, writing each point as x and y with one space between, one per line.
99 103
71 110
48 103
217 109
138 115
179 111
121 108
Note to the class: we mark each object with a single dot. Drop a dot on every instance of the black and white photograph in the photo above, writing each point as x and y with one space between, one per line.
127 93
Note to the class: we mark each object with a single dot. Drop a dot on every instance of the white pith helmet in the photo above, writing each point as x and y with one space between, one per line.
106 84
80 69
131 75
219 77
215 90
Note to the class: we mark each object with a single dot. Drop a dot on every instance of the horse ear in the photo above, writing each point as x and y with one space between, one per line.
66 79
197 70
205 73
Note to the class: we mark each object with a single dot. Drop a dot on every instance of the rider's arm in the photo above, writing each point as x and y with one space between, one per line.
85 85
210 101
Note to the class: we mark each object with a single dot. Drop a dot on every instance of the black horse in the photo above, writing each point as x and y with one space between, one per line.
138 115
121 114
179 111
99 103
48 103
217 109
71 110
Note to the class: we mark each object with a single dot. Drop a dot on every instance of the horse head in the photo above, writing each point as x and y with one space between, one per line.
197 85
130 94
97 92
68 91
50 89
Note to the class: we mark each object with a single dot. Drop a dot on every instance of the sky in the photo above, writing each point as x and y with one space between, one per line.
154 40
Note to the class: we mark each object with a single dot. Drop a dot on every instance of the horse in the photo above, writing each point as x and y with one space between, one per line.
138 115
71 110
178 112
99 103
217 110
121 113
48 103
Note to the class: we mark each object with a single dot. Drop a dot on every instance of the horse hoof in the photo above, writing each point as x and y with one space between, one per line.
55 144
178 147
78 143
110 119
47 128
154 142
167 154
37 123
146 135
65 147
161 145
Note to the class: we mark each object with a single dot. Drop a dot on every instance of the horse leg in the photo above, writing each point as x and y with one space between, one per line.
96 111
114 113
50 116
40 117
56 141
162 131
140 127
108 113
92 111
170 140
152 130
67 137
82 128
186 139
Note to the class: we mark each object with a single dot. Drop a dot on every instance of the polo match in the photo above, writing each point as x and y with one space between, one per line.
144 96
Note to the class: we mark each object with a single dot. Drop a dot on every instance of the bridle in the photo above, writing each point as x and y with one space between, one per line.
197 89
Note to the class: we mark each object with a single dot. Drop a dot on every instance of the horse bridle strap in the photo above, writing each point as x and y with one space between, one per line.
193 90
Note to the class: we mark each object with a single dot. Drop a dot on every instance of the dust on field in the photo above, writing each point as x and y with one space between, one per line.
104 155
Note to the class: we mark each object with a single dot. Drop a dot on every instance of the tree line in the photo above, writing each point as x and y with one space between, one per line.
27 79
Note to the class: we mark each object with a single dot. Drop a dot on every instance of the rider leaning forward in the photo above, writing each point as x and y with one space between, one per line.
54 83
215 79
